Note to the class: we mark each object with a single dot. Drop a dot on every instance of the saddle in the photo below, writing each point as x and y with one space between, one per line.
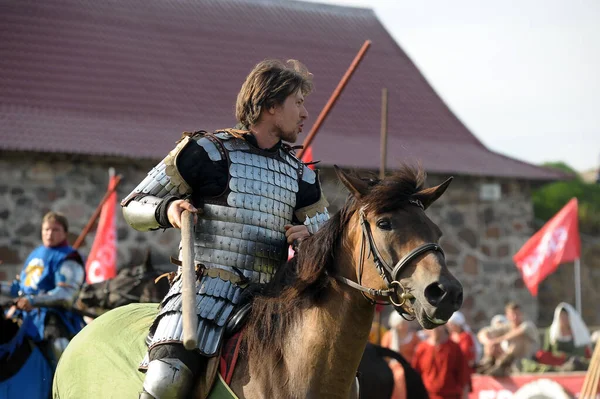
227 356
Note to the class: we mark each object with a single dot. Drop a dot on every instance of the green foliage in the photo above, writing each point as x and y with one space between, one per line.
563 167
549 199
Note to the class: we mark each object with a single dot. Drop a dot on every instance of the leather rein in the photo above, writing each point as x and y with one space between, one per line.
395 293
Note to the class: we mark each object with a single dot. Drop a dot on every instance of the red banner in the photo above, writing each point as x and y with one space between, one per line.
102 261
557 242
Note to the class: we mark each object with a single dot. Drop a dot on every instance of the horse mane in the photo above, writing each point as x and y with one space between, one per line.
302 282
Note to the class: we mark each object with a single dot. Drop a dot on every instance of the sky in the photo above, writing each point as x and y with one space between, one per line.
522 75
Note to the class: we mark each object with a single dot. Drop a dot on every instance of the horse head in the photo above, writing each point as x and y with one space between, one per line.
131 284
396 245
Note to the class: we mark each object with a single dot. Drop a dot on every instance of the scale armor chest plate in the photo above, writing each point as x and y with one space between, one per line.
241 232
244 228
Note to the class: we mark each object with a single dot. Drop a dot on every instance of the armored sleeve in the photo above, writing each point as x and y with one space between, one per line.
181 174
68 279
311 208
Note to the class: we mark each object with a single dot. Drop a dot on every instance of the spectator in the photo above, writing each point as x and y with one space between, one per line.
461 333
376 333
508 344
568 333
47 286
401 339
498 326
442 366
567 344
498 321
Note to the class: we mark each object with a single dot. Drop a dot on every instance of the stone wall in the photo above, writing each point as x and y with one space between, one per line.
32 184
480 237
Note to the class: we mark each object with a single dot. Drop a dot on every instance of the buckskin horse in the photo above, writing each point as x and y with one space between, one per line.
309 326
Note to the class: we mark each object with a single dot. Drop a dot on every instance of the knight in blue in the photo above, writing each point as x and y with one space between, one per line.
47 287
252 197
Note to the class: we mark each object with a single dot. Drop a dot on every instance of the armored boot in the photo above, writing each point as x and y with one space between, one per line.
167 379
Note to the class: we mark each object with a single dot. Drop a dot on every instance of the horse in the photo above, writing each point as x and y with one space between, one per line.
376 379
308 327
130 285
20 359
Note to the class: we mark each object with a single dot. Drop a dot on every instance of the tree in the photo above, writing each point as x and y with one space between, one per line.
550 198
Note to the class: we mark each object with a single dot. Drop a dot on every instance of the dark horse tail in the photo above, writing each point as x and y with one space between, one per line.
373 366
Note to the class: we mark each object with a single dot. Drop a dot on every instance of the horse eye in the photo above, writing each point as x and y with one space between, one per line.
384 224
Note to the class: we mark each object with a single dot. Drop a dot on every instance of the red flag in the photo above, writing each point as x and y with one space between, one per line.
102 261
557 242
307 156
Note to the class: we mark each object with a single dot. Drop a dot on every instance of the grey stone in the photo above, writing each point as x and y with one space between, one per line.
449 246
493 232
470 265
24 201
492 267
9 255
503 251
27 229
17 191
468 236
455 219
488 215
123 233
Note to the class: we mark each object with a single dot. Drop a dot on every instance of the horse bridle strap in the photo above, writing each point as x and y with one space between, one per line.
390 275
393 274
370 291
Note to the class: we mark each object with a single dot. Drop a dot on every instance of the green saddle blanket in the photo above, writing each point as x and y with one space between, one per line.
102 360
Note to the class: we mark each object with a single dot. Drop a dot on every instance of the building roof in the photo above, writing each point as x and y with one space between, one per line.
126 77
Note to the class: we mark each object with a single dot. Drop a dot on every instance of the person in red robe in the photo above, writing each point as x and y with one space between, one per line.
442 365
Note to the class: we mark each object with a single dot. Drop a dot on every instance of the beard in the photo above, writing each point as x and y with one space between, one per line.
289 135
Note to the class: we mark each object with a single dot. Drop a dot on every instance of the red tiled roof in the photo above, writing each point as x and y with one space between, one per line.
127 77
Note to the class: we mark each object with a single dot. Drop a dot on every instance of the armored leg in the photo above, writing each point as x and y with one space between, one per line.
167 378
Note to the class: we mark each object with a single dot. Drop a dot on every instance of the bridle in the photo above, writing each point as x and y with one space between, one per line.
395 293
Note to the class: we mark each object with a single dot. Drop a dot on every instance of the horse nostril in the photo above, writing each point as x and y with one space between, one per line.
435 293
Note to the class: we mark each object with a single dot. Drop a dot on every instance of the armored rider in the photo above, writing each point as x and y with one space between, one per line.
252 197
48 285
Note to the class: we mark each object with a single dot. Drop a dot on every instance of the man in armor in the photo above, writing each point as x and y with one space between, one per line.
252 197
47 287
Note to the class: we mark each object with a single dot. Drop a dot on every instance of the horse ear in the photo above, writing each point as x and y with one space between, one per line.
429 195
356 186
148 260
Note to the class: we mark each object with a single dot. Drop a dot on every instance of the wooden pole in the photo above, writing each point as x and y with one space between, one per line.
96 214
578 287
188 275
384 120
334 97
592 376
